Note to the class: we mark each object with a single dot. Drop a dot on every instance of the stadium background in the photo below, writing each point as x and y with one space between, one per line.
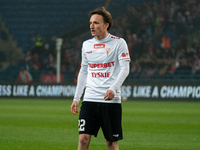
152 124
144 24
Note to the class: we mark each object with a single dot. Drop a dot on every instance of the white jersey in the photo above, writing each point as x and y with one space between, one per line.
102 58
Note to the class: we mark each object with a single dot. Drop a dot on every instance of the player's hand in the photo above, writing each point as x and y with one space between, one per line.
109 95
74 107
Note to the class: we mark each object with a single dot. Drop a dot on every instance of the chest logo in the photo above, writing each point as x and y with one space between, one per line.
98 46
107 51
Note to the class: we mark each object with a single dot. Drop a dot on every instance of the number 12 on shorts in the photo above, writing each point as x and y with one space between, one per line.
81 124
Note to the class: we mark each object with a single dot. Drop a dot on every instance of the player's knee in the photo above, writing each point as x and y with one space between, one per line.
84 140
112 145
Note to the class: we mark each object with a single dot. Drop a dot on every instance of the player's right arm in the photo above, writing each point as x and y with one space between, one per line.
81 83
74 107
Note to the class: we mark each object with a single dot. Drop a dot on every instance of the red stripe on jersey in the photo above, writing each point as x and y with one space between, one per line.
83 65
124 59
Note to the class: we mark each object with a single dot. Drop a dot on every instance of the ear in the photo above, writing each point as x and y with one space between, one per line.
106 25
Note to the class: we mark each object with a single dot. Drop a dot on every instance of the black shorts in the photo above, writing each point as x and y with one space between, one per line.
94 115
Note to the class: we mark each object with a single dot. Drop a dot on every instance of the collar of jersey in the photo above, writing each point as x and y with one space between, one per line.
102 39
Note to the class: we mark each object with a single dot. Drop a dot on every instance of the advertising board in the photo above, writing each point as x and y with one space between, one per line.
134 91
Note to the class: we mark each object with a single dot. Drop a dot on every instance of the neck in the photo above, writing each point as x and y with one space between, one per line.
100 37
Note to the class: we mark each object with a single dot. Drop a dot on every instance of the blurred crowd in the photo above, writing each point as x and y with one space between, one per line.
159 37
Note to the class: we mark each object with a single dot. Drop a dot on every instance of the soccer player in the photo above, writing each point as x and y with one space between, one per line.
104 67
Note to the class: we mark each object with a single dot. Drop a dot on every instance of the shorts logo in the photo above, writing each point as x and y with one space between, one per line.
107 51
116 135
98 46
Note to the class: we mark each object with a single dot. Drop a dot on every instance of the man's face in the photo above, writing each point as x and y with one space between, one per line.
97 26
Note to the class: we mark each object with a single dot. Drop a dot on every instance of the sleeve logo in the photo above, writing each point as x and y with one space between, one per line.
124 54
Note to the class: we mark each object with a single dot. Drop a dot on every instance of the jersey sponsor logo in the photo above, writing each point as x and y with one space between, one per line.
102 65
98 46
100 74
125 54
107 51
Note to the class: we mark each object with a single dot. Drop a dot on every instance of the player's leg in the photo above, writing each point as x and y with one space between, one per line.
88 124
111 125
112 145
84 141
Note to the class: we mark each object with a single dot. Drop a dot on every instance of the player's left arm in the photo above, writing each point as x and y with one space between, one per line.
124 71
124 60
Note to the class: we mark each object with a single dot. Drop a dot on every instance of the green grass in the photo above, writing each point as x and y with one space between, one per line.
46 124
